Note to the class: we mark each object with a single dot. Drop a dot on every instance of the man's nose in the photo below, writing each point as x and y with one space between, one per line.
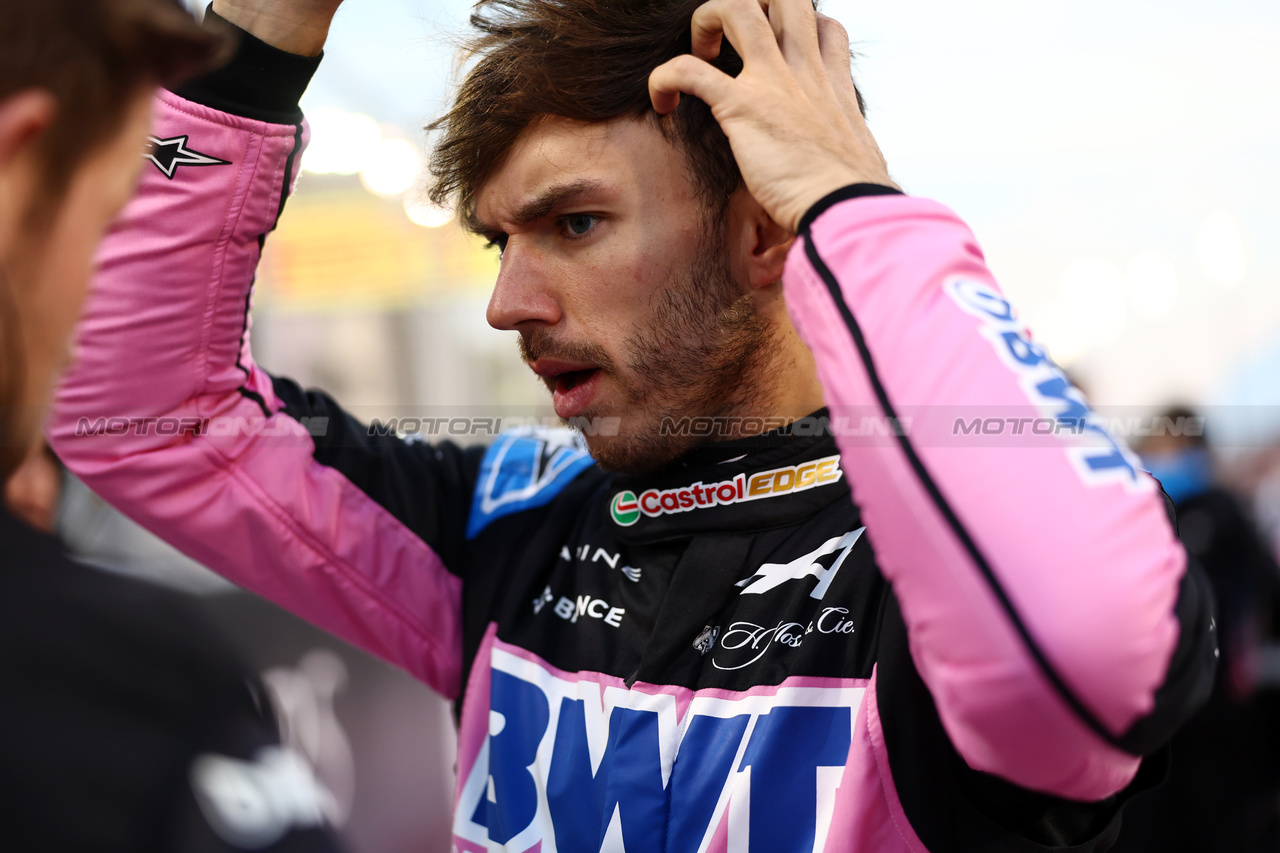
523 294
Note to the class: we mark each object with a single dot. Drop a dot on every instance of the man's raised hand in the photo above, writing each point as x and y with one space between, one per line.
294 26
791 115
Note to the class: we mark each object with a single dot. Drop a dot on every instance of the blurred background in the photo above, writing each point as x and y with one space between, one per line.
1117 161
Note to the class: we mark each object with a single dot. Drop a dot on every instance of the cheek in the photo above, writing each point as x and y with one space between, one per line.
640 262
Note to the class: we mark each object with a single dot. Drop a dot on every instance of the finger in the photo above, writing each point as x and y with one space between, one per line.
687 74
795 30
833 44
744 22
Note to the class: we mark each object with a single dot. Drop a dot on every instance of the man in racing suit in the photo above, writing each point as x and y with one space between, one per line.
834 636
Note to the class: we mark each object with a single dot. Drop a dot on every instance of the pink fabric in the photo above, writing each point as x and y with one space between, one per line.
1090 563
868 813
161 338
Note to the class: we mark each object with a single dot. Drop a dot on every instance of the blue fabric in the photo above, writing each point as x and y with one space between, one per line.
524 470
1184 474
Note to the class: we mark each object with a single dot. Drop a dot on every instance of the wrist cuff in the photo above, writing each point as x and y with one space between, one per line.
851 191
260 82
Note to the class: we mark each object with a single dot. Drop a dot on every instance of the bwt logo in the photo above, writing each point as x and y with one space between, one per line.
1099 460
579 766
626 507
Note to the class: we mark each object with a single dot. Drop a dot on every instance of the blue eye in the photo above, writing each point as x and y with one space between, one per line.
579 224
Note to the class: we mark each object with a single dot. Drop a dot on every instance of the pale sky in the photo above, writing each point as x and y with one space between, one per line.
1118 161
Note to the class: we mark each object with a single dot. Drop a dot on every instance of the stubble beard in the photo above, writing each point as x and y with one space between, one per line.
702 353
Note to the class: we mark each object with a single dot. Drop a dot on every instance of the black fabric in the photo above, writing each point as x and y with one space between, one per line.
112 690
1224 789
837 196
690 578
260 82
956 809
419 483
1191 670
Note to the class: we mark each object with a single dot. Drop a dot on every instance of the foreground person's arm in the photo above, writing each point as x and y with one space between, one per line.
168 417
1045 594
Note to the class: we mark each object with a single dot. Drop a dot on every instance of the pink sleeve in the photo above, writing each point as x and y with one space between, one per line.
166 415
1036 567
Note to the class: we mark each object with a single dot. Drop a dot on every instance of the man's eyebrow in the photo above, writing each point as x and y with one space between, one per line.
553 197
540 205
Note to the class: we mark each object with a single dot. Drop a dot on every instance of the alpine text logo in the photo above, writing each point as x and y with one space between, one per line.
627 507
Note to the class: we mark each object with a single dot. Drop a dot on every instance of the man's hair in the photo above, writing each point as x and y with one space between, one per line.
587 60
94 56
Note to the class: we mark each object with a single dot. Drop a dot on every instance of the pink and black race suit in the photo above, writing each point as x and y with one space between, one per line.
884 629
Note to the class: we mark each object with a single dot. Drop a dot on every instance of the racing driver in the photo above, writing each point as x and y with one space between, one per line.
723 615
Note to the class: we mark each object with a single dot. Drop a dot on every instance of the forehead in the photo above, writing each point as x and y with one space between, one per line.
624 157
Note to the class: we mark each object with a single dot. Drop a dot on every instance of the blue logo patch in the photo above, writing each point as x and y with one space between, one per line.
524 469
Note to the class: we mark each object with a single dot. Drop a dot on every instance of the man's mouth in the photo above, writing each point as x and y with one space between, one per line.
568 381
572 384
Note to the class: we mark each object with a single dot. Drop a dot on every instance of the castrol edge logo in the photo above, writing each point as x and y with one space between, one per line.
627 507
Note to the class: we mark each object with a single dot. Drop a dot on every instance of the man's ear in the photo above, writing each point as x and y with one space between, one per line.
23 118
765 242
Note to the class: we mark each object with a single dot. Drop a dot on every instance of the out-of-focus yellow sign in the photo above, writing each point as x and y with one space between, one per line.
340 247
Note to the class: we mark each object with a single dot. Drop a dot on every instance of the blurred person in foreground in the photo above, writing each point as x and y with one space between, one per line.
124 726
1224 789
722 616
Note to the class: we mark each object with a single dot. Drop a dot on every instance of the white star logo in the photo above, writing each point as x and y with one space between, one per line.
169 154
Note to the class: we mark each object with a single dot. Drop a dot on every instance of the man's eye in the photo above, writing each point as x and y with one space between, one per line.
499 242
579 224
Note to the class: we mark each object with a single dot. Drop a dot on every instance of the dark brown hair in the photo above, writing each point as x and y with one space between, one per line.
94 56
587 60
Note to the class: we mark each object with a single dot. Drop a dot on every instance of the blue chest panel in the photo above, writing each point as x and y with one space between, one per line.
522 470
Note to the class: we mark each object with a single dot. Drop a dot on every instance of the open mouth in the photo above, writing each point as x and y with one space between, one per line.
573 384
566 382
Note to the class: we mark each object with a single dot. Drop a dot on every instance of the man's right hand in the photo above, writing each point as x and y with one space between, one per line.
294 26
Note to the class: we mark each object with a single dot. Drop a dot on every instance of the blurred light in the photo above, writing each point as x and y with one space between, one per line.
392 168
1221 248
424 213
342 143
1088 311
1153 285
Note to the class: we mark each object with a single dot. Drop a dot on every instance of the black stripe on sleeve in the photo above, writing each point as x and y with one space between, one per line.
940 502
842 194
286 186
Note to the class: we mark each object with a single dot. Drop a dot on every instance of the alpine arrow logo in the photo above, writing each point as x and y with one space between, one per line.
169 154
772 575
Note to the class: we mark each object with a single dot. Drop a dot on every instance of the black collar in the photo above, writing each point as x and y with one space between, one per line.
765 481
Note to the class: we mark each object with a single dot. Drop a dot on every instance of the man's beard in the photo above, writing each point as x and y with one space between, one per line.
701 354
